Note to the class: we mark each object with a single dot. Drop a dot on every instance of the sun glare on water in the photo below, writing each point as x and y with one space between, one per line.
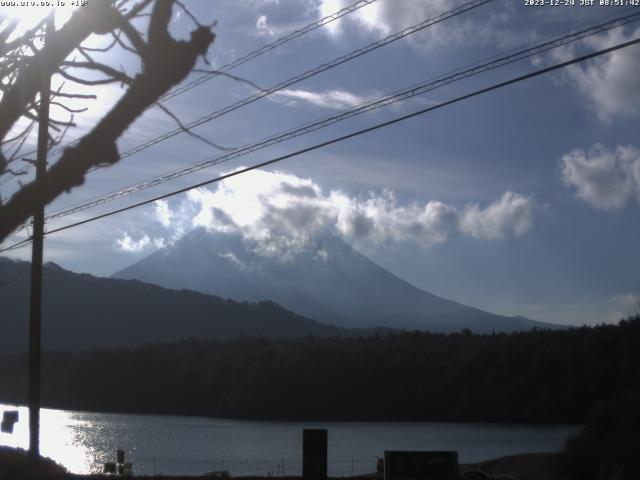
60 437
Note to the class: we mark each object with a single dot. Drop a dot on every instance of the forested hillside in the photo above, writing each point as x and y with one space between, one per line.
537 376
81 311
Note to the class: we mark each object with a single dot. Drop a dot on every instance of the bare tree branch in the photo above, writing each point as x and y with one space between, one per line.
75 95
106 69
232 77
138 43
84 81
123 45
69 109
188 13
25 37
165 62
189 132
137 9
95 17
103 49
17 136
20 144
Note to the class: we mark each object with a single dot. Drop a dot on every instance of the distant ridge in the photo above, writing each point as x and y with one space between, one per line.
330 282
81 311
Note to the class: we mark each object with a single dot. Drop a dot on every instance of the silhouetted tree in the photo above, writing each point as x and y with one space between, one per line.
607 446
164 62
535 376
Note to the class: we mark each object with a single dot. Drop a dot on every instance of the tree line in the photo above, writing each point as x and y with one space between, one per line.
535 376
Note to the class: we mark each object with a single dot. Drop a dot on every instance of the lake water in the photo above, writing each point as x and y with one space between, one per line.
83 441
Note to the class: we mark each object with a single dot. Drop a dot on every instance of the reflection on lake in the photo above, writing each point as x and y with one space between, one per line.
60 437
82 442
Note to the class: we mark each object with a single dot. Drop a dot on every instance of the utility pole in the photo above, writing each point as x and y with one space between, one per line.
35 314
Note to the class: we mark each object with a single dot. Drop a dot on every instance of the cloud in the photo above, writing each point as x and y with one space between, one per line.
604 179
177 220
387 17
163 214
129 245
232 258
369 16
280 215
335 99
264 29
273 18
379 220
512 214
608 83
277 214
159 242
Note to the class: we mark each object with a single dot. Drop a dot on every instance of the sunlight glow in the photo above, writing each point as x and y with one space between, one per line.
60 439
29 16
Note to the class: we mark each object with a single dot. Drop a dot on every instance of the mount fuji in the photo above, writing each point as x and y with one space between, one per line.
329 281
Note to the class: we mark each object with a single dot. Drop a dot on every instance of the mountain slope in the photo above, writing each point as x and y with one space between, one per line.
330 282
81 311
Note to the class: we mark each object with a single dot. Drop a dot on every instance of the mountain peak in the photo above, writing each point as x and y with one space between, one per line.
54 266
328 281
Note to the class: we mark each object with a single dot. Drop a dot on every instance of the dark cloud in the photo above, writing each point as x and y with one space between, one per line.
304 191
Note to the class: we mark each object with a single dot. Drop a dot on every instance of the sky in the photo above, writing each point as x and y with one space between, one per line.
521 201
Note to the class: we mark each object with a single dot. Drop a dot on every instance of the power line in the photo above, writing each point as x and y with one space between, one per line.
246 149
300 77
378 126
17 245
229 66
267 48
401 95
308 74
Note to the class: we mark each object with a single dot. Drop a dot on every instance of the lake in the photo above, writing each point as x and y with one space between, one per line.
172 445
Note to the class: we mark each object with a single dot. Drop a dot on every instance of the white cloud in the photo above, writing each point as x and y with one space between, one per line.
604 179
327 7
609 83
370 16
276 213
264 29
163 214
386 17
512 214
280 215
232 258
159 242
177 220
336 99
129 245
379 219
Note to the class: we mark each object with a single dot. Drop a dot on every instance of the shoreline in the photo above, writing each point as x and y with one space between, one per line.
526 466
13 405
